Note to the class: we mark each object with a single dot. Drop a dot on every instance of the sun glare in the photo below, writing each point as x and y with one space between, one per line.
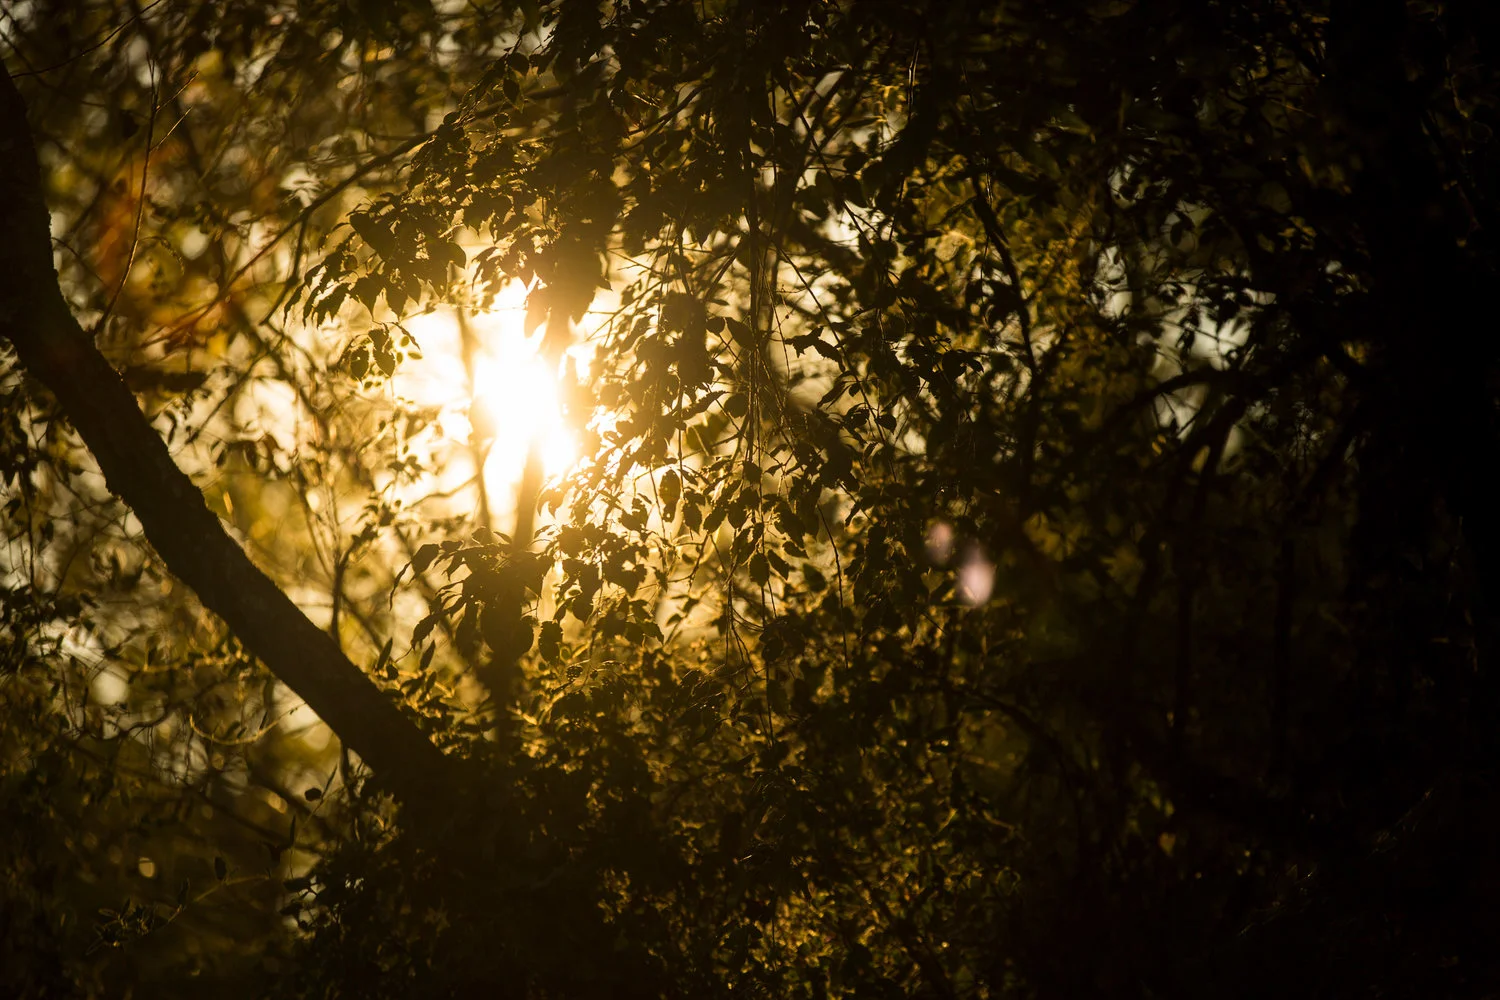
514 404
517 397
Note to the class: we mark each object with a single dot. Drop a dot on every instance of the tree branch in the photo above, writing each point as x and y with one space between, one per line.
54 349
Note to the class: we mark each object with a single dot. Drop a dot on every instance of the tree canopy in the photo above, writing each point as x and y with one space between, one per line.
795 498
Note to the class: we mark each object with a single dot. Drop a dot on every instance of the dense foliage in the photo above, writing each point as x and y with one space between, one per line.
1033 535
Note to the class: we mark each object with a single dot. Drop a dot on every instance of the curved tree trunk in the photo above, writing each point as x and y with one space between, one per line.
54 349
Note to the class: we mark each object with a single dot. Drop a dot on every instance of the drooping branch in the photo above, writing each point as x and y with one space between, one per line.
55 350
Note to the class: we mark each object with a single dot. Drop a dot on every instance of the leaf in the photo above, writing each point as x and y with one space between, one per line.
549 644
377 236
424 628
508 634
715 517
669 492
368 289
738 331
423 557
385 655
760 569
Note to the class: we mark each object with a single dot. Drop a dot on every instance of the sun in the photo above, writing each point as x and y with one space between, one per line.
502 406
516 403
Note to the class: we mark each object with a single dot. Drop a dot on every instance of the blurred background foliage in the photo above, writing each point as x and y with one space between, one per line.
1028 532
